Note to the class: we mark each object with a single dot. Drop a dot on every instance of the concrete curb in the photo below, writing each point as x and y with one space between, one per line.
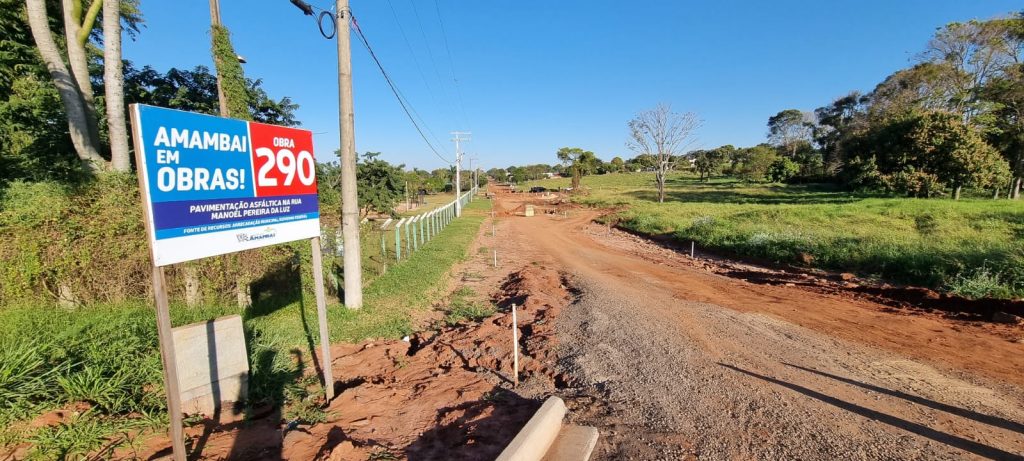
536 437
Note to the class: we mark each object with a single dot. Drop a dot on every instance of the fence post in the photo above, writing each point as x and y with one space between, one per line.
415 236
408 236
398 240
423 229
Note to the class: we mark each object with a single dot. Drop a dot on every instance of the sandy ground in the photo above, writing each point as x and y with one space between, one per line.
692 363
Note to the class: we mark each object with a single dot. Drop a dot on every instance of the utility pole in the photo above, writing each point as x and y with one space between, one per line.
215 22
473 176
349 199
458 167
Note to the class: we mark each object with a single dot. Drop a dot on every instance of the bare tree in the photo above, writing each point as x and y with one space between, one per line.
113 84
663 134
85 142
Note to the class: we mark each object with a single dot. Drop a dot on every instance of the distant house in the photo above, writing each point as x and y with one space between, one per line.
552 175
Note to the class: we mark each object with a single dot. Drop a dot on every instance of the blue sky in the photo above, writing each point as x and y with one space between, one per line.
534 76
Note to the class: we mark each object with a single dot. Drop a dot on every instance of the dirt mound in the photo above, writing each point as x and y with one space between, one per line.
446 394
440 395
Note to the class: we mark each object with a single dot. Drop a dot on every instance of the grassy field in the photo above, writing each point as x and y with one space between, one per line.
432 201
974 247
107 355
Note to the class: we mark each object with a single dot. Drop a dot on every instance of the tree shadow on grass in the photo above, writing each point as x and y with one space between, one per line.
951 440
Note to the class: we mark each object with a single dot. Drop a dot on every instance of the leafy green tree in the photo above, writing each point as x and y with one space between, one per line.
642 162
196 91
782 170
579 162
381 185
921 154
707 163
616 165
755 162
441 180
498 174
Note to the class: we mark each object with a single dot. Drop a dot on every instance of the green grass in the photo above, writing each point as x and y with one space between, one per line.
433 201
106 355
462 307
971 246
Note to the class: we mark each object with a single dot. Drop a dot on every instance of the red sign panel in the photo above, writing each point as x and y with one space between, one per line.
283 160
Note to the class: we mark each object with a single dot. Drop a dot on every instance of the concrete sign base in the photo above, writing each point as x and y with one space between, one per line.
212 364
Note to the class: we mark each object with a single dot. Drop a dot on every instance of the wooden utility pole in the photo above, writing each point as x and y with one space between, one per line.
349 199
215 22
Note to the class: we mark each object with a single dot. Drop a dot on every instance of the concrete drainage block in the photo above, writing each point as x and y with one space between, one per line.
544 438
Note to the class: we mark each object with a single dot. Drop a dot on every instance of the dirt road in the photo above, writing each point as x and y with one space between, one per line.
694 364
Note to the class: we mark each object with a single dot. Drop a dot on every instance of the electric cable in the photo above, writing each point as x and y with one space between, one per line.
394 89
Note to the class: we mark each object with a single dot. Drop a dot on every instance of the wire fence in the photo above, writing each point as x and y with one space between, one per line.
385 245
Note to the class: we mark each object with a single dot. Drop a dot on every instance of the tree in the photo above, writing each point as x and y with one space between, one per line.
782 169
499 174
788 128
968 55
709 162
196 91
836 122
922 87
381 185
663 134
72 79
83 136
1006 94
921 154
642 162
113 84
755 162
616 165
579 162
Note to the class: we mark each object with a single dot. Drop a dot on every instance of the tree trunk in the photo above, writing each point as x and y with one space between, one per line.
661 186
78 125
1016 189
113 84
79 61
995 195
956 192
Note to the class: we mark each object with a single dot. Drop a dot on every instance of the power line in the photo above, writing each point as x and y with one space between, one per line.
451 64
433 60
394 89
419 68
